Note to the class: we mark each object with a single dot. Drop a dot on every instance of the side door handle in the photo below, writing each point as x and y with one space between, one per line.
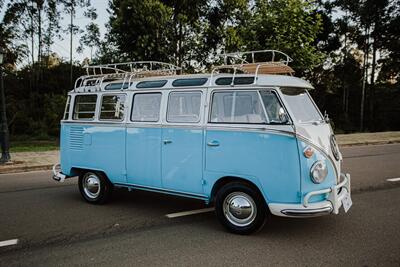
213 143
166 141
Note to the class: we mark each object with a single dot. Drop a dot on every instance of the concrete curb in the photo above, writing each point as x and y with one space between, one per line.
16 169
367 143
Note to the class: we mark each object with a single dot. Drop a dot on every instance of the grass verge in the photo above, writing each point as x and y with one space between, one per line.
34 146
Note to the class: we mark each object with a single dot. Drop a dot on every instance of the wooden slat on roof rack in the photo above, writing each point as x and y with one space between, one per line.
266 68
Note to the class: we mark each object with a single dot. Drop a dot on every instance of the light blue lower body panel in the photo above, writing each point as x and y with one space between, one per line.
269 160
143 156
94 147
182 160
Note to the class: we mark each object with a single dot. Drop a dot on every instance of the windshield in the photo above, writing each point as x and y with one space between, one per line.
301 105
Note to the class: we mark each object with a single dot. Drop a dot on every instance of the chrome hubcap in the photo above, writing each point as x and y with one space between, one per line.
239 209
91 185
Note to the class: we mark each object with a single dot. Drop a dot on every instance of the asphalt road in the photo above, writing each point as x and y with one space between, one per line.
55 227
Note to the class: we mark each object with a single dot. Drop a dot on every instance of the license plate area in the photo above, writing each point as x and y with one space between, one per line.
347 202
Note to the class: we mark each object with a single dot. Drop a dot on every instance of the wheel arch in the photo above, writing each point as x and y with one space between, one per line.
77 171
230 179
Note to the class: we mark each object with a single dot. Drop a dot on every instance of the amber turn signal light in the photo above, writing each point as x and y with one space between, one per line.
308 152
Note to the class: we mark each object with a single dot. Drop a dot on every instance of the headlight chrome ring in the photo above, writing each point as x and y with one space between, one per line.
319 171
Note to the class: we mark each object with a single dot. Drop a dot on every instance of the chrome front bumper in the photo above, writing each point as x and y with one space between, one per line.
332 204
57 174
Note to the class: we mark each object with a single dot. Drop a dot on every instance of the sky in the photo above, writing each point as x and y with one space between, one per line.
61 47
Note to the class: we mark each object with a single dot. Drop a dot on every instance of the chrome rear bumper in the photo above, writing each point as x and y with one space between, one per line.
332 204
57 174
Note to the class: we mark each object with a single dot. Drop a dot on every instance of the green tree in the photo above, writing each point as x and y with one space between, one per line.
70 7
91 36
289 26
139 29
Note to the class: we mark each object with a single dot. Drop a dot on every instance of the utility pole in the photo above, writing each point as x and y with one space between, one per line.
71 33
5 138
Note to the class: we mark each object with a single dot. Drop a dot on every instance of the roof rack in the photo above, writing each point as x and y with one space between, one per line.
96 75
255 62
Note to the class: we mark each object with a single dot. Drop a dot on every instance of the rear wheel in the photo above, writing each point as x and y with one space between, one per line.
240 208
95 187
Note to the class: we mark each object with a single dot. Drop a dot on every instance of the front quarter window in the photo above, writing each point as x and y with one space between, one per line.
301 105
275 112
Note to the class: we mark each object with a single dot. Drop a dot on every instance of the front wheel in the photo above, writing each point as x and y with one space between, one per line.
240 208
95 187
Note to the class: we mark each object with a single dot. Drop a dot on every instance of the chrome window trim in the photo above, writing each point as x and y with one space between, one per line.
67 105
263 107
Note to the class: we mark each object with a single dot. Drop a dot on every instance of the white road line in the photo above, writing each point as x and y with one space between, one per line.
8 242
393 179
187 213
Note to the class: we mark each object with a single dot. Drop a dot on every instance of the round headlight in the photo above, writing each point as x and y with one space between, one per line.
319 171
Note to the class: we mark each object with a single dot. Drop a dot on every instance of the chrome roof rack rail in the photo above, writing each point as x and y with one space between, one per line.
272 62
96 75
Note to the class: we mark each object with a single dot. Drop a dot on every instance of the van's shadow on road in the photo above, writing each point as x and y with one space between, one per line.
154 205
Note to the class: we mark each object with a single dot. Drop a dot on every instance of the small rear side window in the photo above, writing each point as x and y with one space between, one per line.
85 107
189 82
112 107
116 86
237 81
151 84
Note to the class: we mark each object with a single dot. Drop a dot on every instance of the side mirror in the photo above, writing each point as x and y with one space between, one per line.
282 116
326 117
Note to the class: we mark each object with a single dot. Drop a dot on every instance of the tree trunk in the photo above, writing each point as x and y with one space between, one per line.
39 6
365 76
32 51
372 87
343 74
180 45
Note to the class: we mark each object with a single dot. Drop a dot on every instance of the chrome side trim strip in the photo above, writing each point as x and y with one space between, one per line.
233 128
251 129
93 123
164 191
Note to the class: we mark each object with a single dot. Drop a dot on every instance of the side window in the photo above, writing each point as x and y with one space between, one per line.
66 111
184 107
112 107
237 107
84 107
146 107
273 107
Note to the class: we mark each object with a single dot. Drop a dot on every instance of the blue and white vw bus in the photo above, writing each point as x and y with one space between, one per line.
251 140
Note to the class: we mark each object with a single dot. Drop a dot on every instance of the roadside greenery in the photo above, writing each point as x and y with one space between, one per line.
348 49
